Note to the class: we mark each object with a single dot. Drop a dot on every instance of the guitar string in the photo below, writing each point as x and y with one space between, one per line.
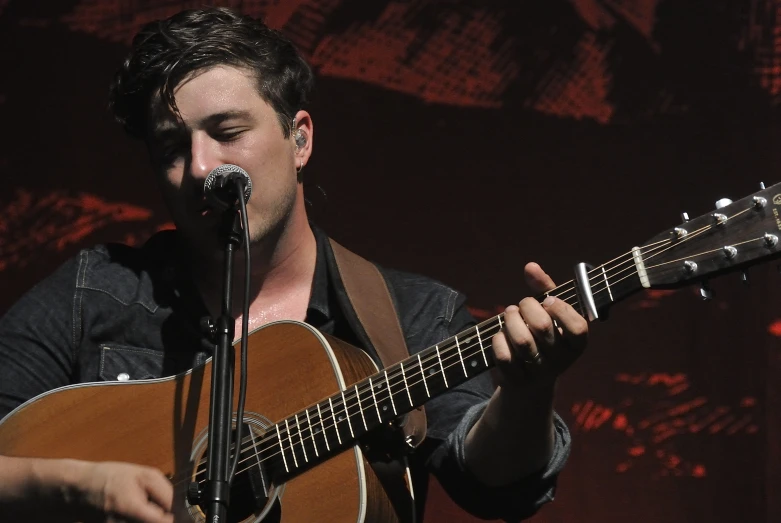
382 397
659 249
688 238
347 405
334 426
390 386
596 270
628 261
282 448
671 245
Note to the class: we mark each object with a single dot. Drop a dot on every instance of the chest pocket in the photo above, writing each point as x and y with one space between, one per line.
124 363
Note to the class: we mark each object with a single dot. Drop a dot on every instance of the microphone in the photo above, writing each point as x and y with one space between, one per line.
221 189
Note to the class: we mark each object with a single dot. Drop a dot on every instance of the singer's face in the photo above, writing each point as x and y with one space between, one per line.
224 120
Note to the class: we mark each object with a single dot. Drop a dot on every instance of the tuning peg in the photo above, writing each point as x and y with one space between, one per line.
685 216
705 291
744 277
762 185
723 203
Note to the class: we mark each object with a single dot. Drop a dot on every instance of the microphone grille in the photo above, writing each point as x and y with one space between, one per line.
210 185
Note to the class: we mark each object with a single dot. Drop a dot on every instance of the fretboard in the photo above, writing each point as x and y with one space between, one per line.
319 431
329 426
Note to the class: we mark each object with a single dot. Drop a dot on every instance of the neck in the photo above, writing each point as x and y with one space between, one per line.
283 263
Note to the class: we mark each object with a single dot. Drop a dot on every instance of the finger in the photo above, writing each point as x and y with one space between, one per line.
538 321
573 327
505 353
537 279
159 489
518 335
503 370
501 349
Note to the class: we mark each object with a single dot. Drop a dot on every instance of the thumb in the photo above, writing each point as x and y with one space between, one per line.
537 279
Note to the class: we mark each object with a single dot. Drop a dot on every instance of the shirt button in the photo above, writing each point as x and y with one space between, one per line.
123 376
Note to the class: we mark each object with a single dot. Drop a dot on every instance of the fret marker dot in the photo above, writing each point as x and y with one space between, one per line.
431 371
384 407
473 363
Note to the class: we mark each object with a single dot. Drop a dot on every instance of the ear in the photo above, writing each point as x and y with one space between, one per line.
301 137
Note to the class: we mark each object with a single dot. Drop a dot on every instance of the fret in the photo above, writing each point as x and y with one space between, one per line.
423 373
322 426
360 408
620 288
607 283
347 415
292 448
376 405
442 367
477 361
406 387
301 440
390 393
480 340
312 433
461 357
336 426
282 449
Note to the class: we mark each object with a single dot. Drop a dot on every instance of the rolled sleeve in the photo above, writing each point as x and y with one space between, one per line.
512 502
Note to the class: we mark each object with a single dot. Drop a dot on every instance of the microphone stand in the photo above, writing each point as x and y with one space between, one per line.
215 496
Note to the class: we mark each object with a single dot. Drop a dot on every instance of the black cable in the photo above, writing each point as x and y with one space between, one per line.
244 334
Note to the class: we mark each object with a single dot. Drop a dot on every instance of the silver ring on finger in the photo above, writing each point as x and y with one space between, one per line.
534 360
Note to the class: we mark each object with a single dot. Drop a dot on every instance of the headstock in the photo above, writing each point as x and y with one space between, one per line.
733 237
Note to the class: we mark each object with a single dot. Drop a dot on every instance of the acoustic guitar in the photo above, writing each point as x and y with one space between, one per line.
303 456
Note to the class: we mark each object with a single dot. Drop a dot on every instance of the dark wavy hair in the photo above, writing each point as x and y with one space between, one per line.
166 51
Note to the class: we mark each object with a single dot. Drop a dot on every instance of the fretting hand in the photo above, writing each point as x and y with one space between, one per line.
539 340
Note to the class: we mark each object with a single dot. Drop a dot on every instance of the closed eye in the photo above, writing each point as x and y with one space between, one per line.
228 135
168 152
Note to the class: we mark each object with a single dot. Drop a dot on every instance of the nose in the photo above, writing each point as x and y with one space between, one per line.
204 155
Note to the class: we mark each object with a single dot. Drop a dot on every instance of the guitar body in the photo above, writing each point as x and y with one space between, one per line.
163 423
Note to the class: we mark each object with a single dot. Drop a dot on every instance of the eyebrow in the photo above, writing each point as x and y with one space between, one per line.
218 118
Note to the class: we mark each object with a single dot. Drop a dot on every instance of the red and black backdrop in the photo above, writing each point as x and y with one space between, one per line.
461 139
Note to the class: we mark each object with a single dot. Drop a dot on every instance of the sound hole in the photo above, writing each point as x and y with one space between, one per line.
253 495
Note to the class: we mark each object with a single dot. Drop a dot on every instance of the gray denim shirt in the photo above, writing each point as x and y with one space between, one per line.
117 312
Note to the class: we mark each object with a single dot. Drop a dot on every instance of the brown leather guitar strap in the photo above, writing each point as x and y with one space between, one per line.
369 295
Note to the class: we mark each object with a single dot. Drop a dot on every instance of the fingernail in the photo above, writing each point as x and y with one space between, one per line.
550 300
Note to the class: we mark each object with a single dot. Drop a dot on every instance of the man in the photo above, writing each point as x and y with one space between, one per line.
206 88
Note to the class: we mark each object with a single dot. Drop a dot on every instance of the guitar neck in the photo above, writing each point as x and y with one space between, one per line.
737 235
340 420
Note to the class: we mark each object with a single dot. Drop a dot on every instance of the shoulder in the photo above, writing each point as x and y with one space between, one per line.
428 310
125 273
416 293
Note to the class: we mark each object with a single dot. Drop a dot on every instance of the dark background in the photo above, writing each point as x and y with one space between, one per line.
462 139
